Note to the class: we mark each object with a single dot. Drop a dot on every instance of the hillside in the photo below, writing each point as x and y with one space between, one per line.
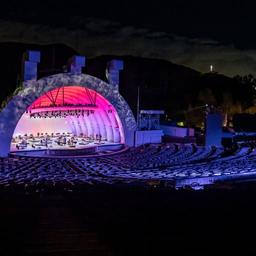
163 85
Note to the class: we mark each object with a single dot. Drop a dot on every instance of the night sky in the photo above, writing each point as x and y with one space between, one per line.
226 21
200 32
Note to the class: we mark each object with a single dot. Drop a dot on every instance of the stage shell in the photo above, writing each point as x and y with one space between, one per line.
19 104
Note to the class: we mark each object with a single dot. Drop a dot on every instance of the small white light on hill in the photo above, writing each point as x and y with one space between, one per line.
211 68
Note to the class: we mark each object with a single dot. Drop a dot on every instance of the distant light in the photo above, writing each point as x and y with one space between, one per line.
211 68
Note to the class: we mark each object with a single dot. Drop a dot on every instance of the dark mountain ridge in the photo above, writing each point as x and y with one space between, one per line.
163 85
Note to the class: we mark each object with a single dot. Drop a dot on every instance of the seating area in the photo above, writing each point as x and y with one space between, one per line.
148 162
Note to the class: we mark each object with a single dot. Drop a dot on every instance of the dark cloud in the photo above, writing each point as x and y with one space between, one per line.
94 37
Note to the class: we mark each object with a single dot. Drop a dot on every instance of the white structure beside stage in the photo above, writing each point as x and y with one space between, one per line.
149 127
151 136
176 131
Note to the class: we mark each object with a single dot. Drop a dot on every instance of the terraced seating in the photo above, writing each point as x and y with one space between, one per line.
161 162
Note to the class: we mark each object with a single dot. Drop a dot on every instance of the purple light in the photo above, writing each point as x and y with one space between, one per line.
93 115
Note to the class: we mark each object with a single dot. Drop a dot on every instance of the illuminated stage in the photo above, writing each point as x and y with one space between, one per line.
65 111
67 145
67 119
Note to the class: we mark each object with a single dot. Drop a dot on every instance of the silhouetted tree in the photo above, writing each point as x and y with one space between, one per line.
206 96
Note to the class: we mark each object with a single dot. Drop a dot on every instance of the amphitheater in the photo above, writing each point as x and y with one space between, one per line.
72 129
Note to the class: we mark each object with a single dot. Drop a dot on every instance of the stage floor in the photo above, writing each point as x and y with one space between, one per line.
37 147
92 151
39 143
41 147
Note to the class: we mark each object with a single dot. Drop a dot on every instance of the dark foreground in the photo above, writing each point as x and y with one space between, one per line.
123 220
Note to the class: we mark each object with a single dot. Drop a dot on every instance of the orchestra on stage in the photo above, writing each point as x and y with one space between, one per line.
63 140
